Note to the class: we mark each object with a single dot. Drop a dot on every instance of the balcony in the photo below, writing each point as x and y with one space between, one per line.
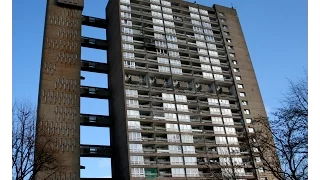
95 151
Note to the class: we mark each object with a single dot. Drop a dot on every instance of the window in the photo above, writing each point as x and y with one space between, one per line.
235 150
204 59
221 14
134 124
132 103
192 172
126 15
164 69
228 40
240 86
222 20
238 78
162 60
184 117
195 16
207 75
212 101
170 31
210 38
166 3
213 53
156 14
199 36
226 33
127 55
211 46
236 70
172 46
221 140
181 98
136 160
201 44
225 27
172 38
218 77
182 107
205 67
202 51
174 149
177 172
168 16
195 22
214 110
127 30
206 25
137 172
242 94
131 93
166 10
187 138
125 1
135 147
232 55
226 112
156 7
228 121
126 22
157 21
197 29
232 140
223 150
230 47
175 62
173 137
248 120
188 149
216 120
168 97
245 103
185 128
224 102
225 161
230 130
204 12
215 61
167 106
192 9
127 38
129 47
158 28
133 114
169 23
218 130
124 7
173 54
170 117
208 32
190 161
135 136
251 130
239 171
159 36
160 44
176 160
237 161
246 111
234 62
205 18
155 1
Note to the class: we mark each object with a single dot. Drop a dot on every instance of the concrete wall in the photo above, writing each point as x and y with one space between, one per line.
118 133
59 102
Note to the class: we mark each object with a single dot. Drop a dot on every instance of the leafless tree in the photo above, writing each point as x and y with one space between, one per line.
29 157
289 129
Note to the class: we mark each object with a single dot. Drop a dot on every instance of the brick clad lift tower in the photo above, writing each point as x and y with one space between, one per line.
181 86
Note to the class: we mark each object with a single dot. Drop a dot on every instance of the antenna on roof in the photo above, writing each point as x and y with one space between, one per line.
232 6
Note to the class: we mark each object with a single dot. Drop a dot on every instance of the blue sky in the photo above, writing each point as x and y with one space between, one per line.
275 32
